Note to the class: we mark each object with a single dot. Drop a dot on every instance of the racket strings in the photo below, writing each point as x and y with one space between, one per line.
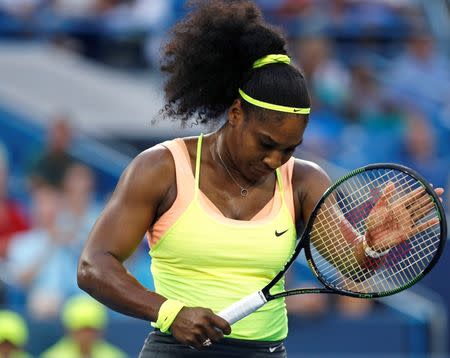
396 278
333 274
356 199
365 199
328 272
332 225
392 256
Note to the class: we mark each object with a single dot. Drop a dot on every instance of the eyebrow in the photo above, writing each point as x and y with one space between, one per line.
271 141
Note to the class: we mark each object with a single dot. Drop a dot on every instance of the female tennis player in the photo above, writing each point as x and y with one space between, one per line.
221 211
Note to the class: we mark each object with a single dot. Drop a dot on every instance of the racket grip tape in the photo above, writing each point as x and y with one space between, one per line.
243 307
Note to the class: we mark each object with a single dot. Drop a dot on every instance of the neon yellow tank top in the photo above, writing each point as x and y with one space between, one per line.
205 262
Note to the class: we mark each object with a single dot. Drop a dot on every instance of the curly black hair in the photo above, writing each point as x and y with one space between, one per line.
209 56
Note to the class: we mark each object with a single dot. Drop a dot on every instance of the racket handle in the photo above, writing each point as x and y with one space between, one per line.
243 307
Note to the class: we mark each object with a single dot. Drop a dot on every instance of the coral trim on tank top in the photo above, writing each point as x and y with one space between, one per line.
185 182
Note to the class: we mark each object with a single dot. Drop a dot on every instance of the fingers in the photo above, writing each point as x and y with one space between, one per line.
199 327
423 226
213 331
411 197
422 211
221 324
419 204
439 191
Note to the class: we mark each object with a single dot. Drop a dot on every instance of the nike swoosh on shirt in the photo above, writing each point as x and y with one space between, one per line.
280 233
273 349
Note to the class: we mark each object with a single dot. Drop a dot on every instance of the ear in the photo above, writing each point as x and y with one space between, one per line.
235 113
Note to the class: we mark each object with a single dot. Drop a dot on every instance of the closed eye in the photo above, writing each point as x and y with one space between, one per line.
267 145
290 150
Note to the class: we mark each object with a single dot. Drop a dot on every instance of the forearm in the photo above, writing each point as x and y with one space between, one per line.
106 279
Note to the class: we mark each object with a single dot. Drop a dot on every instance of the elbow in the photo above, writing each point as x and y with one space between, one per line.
85 276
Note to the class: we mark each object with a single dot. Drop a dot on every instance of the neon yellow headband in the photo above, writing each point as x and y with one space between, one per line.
267 60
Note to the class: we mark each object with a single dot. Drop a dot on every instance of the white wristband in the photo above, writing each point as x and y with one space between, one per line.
371 252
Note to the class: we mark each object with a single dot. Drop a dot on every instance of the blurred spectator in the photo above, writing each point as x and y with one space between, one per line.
421 75
366 98
12 216
78 212
375 118
419 151
73 8
328 79
13 335
19 8
51 165
121 33
329 86
84 320
40 261
44 260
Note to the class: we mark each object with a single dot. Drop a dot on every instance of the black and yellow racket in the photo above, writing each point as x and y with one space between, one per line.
375 232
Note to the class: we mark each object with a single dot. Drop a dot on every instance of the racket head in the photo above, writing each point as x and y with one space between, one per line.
355 195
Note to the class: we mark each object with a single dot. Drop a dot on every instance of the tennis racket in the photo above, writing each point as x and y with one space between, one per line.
375 232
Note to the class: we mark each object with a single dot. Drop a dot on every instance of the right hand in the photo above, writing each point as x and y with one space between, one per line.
194 325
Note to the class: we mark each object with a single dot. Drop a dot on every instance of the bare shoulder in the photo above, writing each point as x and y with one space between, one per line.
151 173
153 160
307 174
309 182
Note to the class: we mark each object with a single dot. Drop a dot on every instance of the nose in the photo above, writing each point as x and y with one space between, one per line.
273 159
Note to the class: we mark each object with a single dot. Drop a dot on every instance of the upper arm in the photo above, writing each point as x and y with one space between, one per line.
133 205
309 182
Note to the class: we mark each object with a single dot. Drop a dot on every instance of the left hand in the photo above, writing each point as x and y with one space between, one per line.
390 222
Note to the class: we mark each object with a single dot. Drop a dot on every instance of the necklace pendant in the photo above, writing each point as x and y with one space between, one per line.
244 192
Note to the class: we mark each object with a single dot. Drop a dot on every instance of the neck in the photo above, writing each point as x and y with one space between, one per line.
225 159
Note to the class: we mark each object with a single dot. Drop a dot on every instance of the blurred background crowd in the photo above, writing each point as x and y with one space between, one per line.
80 91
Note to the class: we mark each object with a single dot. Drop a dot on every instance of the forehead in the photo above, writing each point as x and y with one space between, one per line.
283 128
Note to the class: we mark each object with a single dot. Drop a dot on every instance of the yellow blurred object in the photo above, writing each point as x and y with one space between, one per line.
13 328
83 312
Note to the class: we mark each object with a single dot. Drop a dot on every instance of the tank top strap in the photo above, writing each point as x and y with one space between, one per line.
280 184
198 160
